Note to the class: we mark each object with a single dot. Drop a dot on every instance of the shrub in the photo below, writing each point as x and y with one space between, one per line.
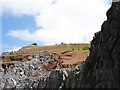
62 43
35 44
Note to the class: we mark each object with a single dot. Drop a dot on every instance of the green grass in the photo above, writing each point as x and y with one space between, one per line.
85 48
76 49
57 48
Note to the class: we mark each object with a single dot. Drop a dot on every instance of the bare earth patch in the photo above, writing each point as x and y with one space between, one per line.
69 55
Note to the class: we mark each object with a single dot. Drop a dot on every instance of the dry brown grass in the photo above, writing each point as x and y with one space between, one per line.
67 54
51 48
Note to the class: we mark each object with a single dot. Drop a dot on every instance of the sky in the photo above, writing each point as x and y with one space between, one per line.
47 22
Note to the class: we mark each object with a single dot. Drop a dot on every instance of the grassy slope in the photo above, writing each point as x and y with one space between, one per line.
76 50
52 48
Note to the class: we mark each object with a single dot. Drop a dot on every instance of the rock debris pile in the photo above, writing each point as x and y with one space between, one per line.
41 71
25 74
35 74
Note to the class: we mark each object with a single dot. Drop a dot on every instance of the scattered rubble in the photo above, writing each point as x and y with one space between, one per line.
40 71
25 74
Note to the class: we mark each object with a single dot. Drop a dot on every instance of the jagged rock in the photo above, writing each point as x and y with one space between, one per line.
101 69
24 74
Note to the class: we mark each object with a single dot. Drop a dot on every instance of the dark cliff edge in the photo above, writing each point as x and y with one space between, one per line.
102 67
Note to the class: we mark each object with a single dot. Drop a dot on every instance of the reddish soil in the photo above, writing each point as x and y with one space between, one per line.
71 59
69 55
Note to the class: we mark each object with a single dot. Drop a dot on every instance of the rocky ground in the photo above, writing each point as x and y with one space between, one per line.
25 74
41 71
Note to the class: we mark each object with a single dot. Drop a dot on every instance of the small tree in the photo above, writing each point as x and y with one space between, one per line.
35 44
62 43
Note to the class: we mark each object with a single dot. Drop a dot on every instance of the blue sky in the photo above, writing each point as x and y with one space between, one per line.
11 22
50 21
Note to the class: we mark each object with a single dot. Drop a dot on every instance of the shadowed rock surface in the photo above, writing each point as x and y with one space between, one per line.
102 67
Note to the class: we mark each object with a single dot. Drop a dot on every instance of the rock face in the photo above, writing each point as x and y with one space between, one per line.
115 0
102 67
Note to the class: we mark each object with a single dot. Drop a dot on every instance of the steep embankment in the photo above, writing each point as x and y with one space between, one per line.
102 68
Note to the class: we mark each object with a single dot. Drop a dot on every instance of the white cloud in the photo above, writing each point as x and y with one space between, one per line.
27 7
15 48
48 36
64 21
